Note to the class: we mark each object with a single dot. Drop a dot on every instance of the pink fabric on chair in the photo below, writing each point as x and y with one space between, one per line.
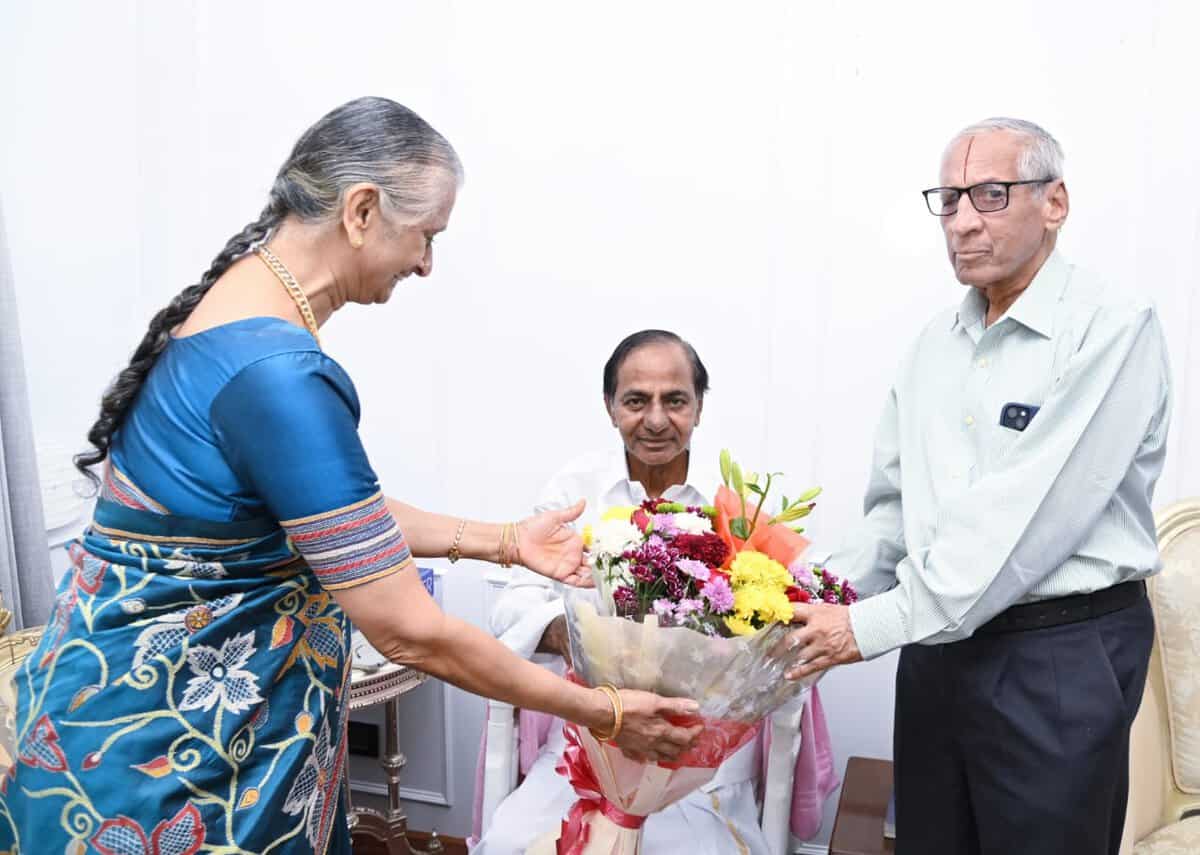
816 776
533 729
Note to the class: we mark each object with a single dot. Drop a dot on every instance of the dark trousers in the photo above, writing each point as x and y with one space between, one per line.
1018 743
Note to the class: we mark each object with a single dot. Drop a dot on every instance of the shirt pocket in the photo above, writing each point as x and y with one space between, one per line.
1019 392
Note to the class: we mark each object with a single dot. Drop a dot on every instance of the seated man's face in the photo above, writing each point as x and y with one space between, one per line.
655 406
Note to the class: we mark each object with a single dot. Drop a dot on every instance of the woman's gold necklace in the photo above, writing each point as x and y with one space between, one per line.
289 282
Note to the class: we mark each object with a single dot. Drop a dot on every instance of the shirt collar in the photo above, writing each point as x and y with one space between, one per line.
1033 309
699 471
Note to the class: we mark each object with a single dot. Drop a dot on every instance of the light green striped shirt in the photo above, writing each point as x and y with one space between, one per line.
965 517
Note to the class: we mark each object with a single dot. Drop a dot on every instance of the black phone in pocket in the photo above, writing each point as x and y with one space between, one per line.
1017 416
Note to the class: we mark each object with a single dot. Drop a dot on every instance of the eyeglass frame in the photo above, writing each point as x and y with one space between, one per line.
1007 185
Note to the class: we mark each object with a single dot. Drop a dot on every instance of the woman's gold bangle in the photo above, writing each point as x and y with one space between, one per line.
504 534
510 545
516 543
614 698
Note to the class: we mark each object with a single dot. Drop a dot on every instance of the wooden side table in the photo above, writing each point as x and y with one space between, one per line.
858 827
384 685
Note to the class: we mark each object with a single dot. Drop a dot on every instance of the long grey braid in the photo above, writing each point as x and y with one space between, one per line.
371 140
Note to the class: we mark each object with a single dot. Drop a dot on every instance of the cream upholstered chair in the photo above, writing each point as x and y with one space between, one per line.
14 647
1163 816
500 767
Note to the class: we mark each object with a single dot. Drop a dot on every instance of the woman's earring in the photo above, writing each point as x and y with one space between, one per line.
356 241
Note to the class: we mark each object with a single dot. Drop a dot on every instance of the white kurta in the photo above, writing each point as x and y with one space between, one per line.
718 819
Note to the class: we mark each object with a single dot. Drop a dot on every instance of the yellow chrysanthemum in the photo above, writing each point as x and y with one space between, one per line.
761 605
619 512
756 569
747 600
777 607
739 627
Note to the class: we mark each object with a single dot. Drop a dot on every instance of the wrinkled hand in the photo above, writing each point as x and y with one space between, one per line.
646 735
825 638
549 546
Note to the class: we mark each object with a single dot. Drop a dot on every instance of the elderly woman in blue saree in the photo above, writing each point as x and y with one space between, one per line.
189 694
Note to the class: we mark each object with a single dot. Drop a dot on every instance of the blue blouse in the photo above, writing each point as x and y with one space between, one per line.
250 420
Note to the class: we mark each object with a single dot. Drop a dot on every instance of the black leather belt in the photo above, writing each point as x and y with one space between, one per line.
1060 610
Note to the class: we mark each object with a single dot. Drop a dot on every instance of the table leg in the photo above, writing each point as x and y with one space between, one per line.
390 828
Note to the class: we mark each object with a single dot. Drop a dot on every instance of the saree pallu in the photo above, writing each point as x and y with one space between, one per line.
189 695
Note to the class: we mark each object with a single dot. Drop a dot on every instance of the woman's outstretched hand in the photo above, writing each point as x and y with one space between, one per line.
646 734
549 546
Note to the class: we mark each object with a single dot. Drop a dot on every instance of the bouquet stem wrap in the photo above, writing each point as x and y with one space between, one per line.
736 680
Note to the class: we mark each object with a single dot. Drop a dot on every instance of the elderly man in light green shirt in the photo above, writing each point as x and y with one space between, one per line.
1008 526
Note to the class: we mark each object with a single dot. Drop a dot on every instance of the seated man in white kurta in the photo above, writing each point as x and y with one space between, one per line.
654 387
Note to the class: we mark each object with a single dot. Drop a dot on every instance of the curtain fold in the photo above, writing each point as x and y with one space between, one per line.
25 576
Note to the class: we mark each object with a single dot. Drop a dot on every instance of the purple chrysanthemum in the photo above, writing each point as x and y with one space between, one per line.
677 583
625 600
688 607
664 524
643 572
698 570
665 610
655 554
719 594
802 573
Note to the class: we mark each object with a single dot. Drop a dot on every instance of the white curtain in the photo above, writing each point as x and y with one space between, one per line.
25 578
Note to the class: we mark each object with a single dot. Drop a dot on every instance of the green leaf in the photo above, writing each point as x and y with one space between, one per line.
799 529
740 528
754 488
785 502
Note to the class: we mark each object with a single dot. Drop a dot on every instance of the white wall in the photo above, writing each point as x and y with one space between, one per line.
746 174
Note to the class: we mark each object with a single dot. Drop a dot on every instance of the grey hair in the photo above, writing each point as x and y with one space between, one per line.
368 140
1041 157
371 140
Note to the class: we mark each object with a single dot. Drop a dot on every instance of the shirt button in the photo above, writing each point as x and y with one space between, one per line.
969 420
981 363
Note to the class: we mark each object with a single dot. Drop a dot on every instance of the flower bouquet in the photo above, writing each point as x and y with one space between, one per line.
693 602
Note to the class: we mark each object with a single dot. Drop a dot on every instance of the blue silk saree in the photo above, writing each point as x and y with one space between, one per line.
189 694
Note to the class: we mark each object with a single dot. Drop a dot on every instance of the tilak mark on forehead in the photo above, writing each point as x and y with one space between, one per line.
966 157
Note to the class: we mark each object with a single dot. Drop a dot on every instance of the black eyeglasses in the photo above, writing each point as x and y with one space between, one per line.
989 197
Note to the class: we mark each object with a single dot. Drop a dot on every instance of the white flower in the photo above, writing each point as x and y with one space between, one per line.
616 573
693 523
220 676
612 537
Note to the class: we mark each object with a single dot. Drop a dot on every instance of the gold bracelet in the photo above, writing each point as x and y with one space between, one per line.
516 537
614 698
503 556
454 554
